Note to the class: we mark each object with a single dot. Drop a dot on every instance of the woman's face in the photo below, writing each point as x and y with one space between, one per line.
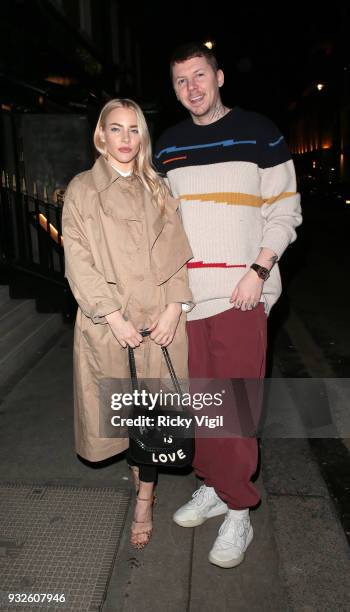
122 138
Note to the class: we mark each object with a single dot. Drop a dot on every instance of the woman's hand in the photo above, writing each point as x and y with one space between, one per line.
163 330
247 293
123 331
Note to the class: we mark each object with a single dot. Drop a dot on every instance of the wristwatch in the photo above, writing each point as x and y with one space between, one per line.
262 272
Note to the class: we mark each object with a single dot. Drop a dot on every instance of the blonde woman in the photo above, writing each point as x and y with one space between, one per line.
126 254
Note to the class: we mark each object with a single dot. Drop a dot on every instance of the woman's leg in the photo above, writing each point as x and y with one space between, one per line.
145 477
146 473
142 525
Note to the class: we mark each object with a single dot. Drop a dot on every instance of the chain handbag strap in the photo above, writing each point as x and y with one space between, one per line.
171 371
132 367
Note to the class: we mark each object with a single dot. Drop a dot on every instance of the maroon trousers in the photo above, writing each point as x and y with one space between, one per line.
231 344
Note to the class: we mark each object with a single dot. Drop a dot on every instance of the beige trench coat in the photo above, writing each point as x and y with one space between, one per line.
120 253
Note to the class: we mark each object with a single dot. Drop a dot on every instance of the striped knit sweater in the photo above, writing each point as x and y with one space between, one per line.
236 182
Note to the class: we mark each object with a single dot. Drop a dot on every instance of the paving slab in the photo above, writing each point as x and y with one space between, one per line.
290 468
315 557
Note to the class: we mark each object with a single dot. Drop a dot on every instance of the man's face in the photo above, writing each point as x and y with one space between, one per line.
197 85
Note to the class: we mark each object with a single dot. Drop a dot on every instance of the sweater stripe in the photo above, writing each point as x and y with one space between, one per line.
276 142
201 264
206 145
239 199
172 159
280 196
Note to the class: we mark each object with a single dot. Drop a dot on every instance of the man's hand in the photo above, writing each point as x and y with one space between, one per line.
163 330
123 331
247 293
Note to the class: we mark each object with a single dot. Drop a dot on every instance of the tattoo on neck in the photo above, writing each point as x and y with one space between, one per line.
218 111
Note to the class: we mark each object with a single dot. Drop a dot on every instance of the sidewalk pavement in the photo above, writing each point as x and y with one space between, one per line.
298 560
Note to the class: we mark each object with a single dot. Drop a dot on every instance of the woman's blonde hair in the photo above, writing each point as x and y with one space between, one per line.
143 162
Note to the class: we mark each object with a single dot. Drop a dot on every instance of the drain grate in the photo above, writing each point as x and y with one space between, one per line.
61 541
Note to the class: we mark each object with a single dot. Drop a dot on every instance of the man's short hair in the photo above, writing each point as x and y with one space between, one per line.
192 49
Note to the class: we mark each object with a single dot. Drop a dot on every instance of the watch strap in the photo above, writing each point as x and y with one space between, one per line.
262 272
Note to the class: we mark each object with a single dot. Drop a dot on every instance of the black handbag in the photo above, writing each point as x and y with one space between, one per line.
167 438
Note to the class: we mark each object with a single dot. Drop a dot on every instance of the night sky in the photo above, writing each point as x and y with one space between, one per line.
269 53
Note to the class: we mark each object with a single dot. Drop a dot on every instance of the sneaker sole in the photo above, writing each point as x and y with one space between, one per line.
201 519
226 564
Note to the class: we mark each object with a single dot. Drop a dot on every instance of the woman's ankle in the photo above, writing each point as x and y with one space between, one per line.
146 490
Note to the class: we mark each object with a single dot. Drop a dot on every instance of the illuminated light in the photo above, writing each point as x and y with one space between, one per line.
347 201
326 145
60 80
6 107
41 99
50 229
314 164
209 44
320 86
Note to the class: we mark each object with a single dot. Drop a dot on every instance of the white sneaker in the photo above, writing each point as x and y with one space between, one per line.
203 505
235 535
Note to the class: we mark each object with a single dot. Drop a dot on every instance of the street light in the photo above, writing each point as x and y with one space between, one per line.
320 86
209 44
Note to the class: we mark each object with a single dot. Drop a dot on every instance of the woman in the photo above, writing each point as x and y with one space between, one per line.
126 254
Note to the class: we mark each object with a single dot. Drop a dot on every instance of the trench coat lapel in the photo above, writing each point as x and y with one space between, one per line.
103 174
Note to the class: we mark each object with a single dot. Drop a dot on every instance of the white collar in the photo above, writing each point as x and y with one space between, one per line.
125 174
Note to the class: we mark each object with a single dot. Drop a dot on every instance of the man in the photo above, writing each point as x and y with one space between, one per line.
234 175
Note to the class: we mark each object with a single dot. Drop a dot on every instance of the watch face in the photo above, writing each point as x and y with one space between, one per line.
263 273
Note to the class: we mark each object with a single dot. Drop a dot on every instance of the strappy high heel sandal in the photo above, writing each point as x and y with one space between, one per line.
145 531
136 479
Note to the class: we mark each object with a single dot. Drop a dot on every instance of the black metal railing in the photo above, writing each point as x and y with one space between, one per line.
31 245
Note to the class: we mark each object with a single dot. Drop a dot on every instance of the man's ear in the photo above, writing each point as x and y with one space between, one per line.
220 77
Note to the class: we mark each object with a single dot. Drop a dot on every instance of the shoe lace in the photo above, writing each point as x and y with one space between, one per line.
197 496
237 528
